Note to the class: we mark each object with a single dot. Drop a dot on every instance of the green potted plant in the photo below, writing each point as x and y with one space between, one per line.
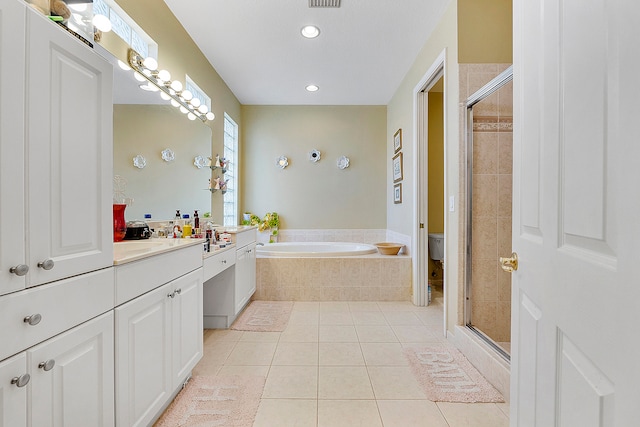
271 222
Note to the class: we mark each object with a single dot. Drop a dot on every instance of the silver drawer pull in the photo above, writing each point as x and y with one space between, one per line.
33 320
19 270
172 294
47 365
47 264
21 381
224 261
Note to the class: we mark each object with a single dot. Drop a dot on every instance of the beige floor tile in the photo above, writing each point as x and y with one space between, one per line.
217 352
287 413
395 383
205 367
431 317
344 382
335 318
300 333
252 353
397 306
368 318
304 318
375 333
363 306
473 414
296 353
384 354
291 382
414 334
249 336
334 306
348 413
306 306
223 335
504 407
410 413
337 333
253 371
340 354
402 318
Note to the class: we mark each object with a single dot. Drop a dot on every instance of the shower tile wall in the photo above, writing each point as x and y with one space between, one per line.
492 194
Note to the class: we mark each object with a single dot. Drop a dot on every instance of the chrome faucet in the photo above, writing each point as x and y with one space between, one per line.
259 244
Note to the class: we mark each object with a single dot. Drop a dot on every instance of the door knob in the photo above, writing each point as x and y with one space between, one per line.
509 264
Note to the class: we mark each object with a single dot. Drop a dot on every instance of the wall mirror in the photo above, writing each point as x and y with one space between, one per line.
145 125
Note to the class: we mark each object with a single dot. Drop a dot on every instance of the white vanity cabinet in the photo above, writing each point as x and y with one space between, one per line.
245 275
14 379
158 341
55 152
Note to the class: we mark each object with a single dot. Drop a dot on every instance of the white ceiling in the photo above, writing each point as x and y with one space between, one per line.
364 50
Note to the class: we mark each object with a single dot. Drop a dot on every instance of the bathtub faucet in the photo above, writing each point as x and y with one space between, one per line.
259 244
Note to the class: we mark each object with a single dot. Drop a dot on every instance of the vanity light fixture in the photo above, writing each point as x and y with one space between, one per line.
147 69
310 31
312 88
101 22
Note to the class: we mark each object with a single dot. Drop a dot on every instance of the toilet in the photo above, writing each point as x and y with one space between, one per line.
436 246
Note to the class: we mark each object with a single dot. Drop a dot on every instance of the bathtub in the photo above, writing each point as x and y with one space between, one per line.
330 271
314 249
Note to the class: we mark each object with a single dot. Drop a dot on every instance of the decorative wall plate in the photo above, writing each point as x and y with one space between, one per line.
139 161
200 162
343 162
314 155
168 155
282 162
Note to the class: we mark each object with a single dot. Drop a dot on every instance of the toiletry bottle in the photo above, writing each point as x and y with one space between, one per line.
196 220
187 227
178 216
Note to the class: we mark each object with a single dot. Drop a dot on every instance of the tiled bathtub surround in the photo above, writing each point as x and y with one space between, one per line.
353 278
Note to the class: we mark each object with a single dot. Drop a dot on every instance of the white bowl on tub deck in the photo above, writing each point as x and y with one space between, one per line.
314 249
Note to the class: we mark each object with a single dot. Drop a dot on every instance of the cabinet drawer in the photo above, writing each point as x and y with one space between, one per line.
217 263
138 277
61 305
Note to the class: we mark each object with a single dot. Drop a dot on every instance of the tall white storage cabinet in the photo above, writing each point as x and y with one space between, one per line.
55 148
56 355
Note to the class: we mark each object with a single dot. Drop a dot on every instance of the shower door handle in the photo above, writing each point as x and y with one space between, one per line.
509 264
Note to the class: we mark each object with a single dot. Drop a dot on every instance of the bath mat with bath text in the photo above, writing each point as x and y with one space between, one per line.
264 316
445 375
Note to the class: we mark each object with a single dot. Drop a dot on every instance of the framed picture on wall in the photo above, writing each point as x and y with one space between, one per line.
397 193
397 167
397 141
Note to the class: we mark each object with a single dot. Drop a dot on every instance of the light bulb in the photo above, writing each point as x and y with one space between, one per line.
312 88
187 95
175 103
183 110
139 77
310 31
191 116
176 85
165 96
164 75
210 116
150 63
123 66
203 109
195 102
147 73
102 23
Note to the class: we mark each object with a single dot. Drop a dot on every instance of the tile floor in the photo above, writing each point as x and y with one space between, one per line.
341 364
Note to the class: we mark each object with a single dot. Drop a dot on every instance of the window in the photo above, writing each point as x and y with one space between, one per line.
230 200
197 93
126 28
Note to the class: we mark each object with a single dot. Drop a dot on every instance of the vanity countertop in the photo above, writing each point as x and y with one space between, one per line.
236 229
133 250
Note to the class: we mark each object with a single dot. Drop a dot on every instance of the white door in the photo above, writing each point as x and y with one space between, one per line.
13 264
186 322
576 294
13 391
72 377
70 115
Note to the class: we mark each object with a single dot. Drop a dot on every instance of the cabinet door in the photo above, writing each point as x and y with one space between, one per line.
69 153
12 215
187 335
245 275
143 357
13 398
72 377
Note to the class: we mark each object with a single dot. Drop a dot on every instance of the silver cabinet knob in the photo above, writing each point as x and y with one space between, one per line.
47 264
172 294
33 320
179 291
21 381
19 270
47 365
224 261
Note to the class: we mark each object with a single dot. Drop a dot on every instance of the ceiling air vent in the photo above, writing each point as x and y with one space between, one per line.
324 3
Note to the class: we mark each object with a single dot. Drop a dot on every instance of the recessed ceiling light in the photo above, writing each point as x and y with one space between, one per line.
312 88
310 31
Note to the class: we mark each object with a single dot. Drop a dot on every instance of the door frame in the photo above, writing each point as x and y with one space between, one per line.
436 71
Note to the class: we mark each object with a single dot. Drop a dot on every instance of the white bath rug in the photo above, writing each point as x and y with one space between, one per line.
264 316
445 375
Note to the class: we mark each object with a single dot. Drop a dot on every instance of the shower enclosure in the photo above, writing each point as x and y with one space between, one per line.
489 137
